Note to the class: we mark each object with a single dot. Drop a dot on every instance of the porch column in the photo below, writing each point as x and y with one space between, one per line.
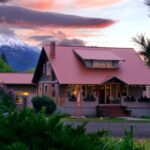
105 92
127 90
79 101
110 89
117 90
56 88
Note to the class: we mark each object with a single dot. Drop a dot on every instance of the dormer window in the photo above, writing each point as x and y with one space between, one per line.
98 59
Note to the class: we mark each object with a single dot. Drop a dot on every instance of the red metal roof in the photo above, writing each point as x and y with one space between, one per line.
16 78
96 54
70 70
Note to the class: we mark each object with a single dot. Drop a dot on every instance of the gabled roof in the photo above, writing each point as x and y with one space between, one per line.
16 78
96 54
70 70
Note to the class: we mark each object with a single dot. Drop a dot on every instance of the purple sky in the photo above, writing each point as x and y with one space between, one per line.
78 22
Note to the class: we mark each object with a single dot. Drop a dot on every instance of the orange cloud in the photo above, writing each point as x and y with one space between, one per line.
56 4
38 5
96 3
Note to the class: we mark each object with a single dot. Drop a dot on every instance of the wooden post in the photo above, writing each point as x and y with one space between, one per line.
110 90
117 86
105 93
79 101
127 90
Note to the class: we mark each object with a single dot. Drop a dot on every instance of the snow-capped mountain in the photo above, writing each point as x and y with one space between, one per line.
20 56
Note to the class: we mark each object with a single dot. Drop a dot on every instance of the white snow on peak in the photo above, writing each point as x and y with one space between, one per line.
14 42
10 41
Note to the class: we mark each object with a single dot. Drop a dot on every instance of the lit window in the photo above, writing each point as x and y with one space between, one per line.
45 89
19 100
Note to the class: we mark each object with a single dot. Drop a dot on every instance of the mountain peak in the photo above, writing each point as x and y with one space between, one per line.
10 41
20 56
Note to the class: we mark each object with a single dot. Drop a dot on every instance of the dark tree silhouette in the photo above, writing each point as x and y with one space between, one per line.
144 44
3 56
147 2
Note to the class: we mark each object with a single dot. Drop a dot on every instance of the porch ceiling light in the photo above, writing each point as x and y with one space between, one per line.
74 92
25 94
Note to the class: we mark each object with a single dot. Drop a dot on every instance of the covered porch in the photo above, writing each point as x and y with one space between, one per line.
113 94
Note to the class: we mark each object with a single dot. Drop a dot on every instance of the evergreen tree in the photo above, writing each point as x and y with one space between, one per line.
4 67
3 56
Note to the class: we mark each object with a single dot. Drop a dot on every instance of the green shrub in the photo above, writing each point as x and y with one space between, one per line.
16 146
25 130
7 99
44 102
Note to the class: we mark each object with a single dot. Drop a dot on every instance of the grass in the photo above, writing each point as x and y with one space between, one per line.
145 142
111 120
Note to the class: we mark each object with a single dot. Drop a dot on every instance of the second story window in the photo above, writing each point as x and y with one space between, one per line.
45 89
48 69
44 68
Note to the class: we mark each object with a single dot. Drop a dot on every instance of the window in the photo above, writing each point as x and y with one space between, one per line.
53 77
45 89
88 63
88 92
102 63
44 68
56 89
72 93
48 68
19 100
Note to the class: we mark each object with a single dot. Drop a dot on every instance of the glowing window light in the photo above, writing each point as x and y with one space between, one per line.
25 94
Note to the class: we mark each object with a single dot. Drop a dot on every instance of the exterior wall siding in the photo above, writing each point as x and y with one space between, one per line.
85 111
139 112
87 108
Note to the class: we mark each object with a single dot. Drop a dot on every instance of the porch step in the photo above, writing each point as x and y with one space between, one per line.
112 111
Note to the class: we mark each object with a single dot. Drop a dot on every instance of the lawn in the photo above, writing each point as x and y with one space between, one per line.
145 142
112 120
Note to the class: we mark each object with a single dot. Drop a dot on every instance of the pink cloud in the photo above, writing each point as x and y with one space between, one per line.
38 5
96 3
25 18
55 5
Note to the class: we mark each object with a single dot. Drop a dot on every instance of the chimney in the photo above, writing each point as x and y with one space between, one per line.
52 49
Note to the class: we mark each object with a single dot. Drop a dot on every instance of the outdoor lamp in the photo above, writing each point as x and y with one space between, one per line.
74 92
25 94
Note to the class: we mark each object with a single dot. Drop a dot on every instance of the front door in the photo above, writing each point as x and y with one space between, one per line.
102 95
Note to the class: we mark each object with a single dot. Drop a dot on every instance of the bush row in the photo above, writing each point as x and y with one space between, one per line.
25 130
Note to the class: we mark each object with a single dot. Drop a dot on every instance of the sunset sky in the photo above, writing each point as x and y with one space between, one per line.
78 22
